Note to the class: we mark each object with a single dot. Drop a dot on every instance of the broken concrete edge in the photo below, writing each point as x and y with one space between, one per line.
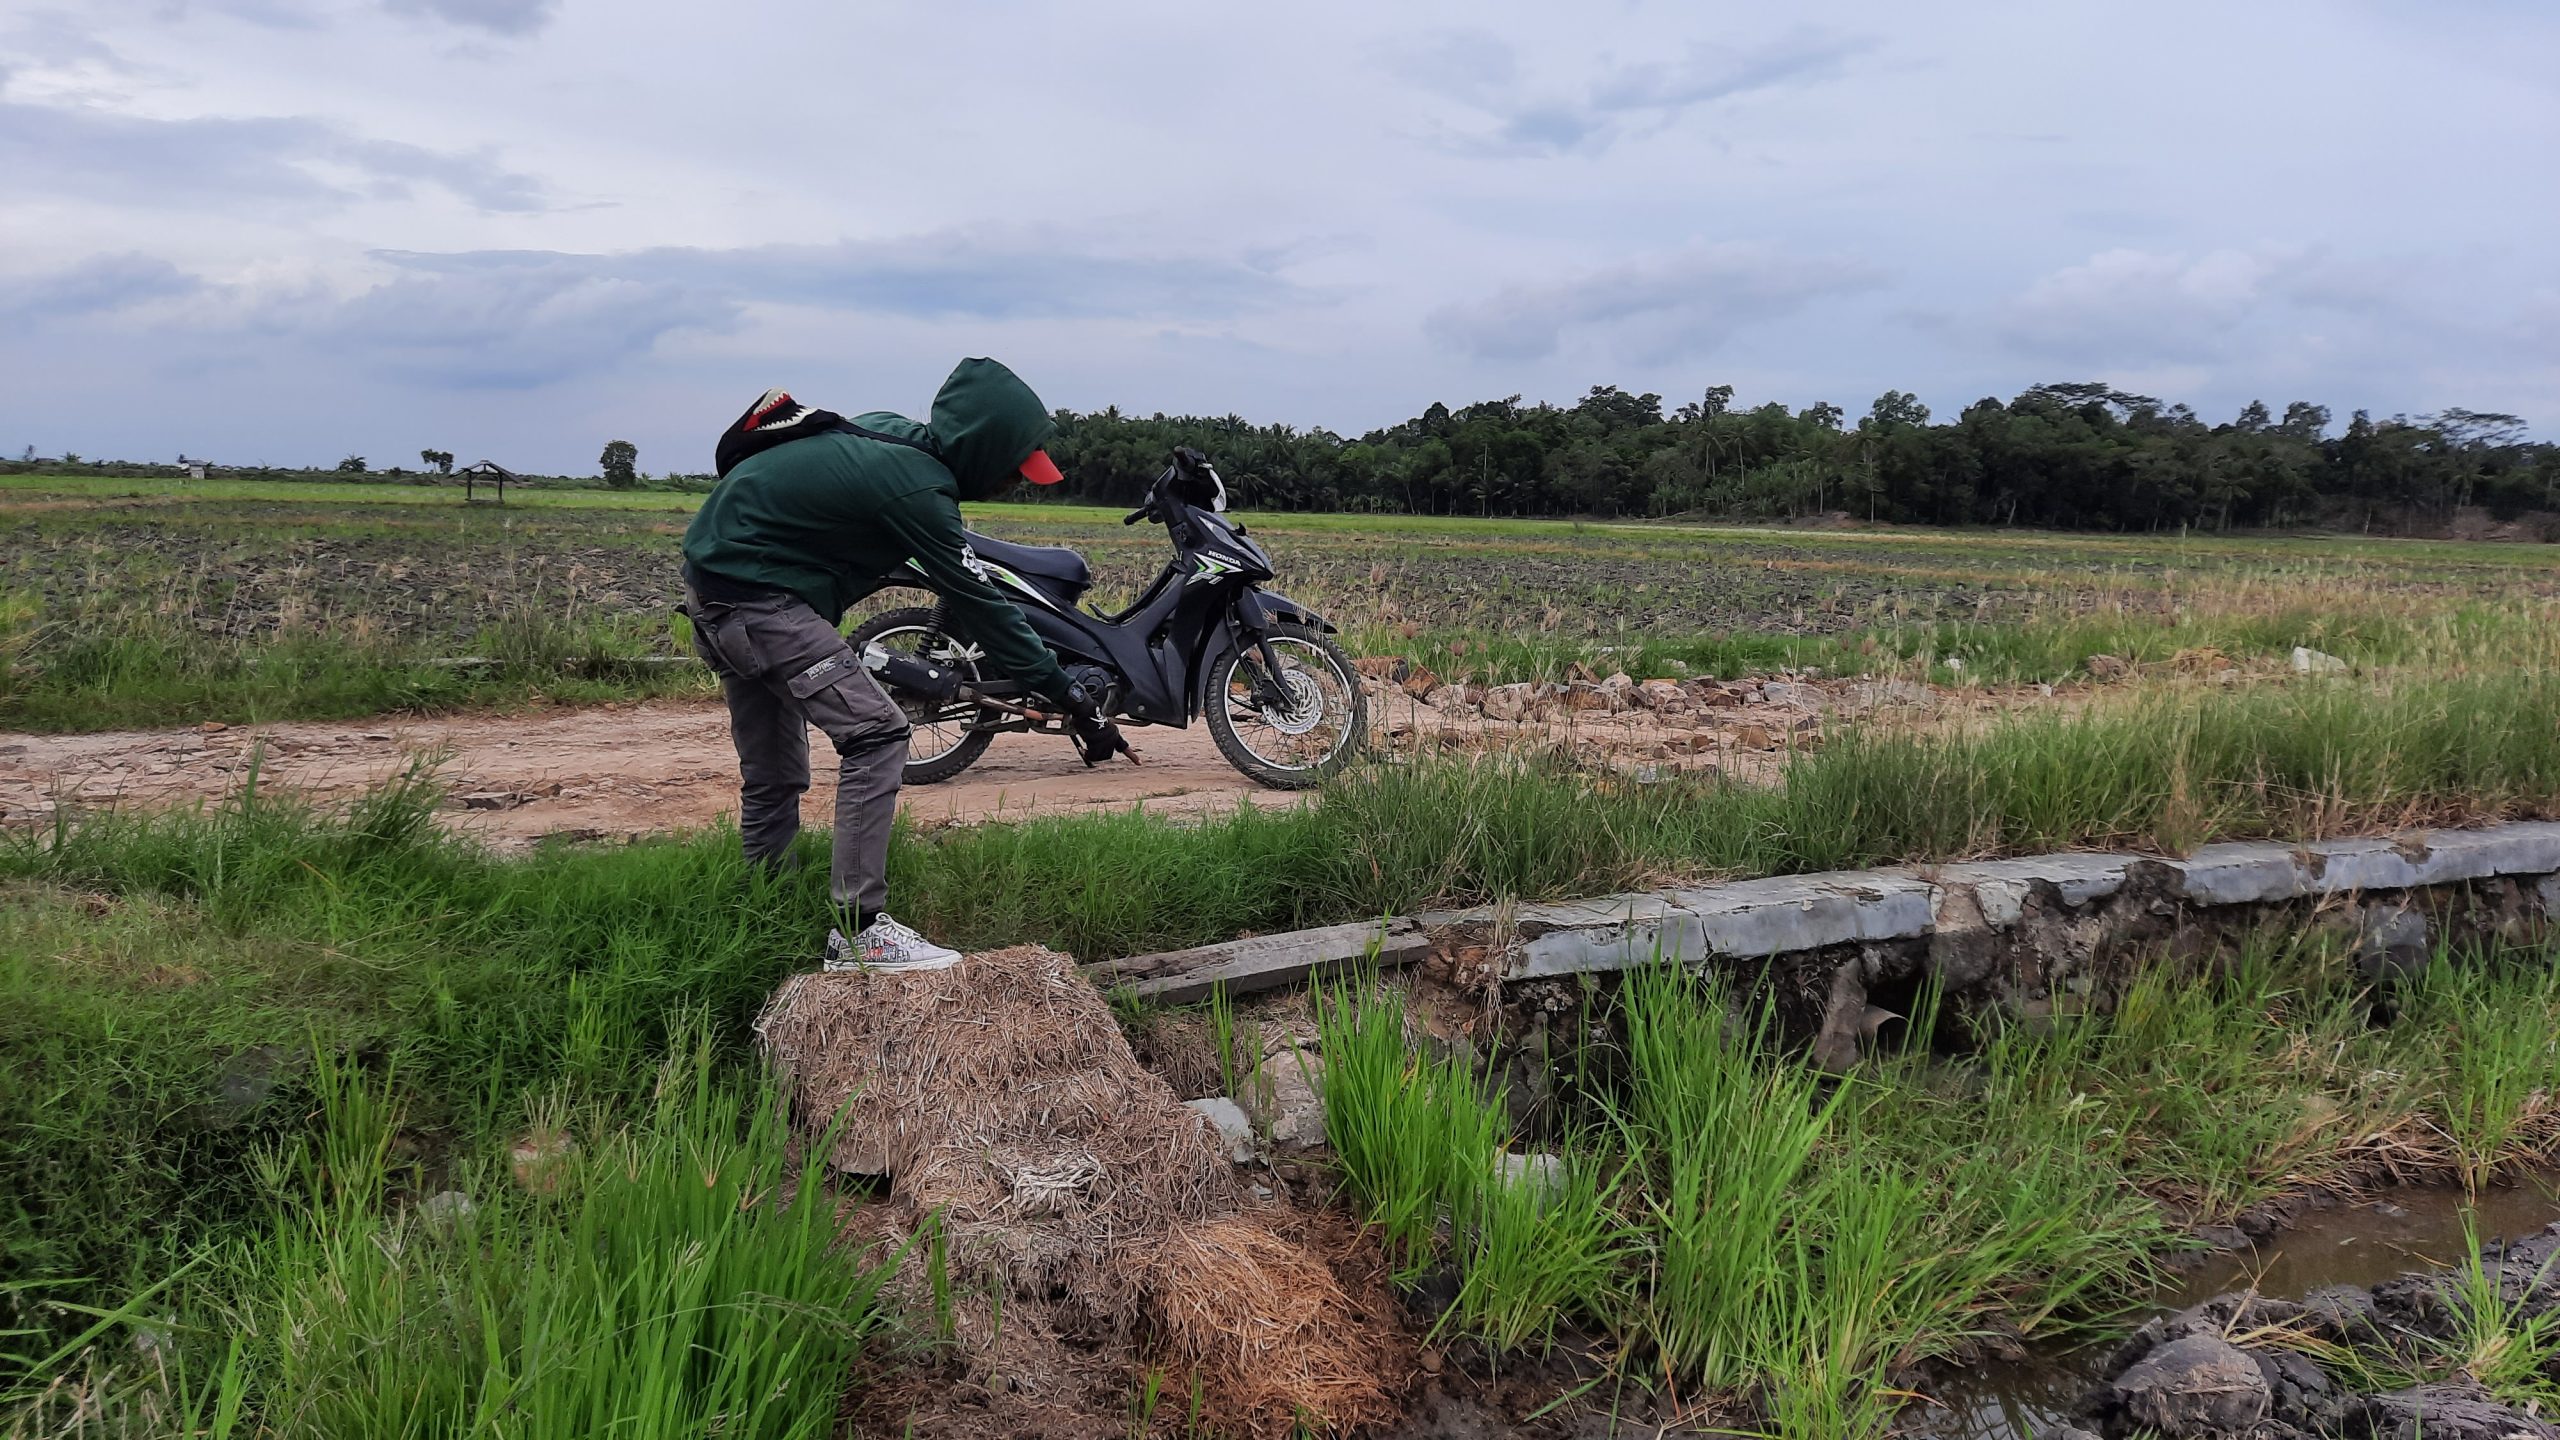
1779 915
1267 962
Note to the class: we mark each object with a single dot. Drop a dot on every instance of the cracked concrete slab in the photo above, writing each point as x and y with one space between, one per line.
1956 909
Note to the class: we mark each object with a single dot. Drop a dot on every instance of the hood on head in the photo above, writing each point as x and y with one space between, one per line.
986 423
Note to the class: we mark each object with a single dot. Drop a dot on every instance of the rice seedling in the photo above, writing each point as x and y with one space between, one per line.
1416 1139
2501 1339
1726 1133
2501 1066
1540 1248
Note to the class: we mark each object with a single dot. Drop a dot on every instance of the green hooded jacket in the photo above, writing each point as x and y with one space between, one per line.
832 517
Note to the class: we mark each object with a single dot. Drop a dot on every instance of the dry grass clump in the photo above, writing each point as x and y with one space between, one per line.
1000 1096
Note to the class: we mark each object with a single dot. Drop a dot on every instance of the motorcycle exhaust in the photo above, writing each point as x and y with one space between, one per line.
936 683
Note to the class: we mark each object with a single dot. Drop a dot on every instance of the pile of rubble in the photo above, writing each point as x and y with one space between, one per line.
1618 715
2241 1364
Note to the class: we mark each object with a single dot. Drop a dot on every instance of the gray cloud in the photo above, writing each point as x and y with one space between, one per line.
498 17
1657 308
97 286
235 160
990 273
2135 240
1484 74
521 319
502 328
2219 327
2128 306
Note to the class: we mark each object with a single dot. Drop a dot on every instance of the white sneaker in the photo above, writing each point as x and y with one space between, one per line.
887 945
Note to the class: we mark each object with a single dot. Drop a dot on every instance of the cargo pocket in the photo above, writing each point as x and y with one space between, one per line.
829 671
703 624
725 643
840 698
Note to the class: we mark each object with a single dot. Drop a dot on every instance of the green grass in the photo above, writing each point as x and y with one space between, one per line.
174 989
2207 548
1780 1245
678 1279
162 980
242 1044
674 1277
411 491
2503 1065
1417 1138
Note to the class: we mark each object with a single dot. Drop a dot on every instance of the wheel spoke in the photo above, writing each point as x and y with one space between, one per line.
1312 728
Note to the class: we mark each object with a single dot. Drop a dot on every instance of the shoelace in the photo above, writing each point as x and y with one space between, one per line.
892 935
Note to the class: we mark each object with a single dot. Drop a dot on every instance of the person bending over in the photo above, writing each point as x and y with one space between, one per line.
811 513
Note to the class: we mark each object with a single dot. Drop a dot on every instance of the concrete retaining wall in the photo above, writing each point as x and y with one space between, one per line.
2029 933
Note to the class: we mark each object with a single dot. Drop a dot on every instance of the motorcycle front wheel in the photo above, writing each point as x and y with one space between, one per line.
942 740
1297 740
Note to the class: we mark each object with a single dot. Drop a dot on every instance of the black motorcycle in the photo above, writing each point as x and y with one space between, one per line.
1282 699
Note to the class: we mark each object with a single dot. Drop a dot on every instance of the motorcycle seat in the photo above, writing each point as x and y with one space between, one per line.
1054 563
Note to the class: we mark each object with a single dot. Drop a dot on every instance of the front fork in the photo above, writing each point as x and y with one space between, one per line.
1267 693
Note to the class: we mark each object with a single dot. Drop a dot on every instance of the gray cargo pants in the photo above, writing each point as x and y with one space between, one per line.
784 669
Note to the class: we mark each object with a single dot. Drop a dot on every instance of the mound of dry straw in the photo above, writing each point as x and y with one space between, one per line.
1000 1095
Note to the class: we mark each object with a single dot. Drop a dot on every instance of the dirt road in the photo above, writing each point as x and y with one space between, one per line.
617 771
607 772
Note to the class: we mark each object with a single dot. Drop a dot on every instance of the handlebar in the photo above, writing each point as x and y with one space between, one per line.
1143 512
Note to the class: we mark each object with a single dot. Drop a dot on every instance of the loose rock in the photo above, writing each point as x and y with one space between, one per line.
1877 694
1289 1101
1232 1124
1449 700
447 1210
1509 702
2307 661
2455 1410
1662 695
1541 1172
2196 1386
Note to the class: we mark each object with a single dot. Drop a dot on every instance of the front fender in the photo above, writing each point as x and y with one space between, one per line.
1255 612
1261 609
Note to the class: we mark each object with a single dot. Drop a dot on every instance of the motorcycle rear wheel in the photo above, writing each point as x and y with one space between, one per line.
940 741
1323 728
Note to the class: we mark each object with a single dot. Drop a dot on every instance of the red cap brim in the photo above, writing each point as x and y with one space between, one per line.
1040 469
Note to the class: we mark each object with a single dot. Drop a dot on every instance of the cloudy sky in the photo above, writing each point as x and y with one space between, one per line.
285 230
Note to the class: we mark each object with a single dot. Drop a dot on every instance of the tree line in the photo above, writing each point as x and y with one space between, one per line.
2077 456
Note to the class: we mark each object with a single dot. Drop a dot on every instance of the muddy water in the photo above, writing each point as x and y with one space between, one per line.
2365 1244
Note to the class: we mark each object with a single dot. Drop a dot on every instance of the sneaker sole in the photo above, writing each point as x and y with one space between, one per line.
897 968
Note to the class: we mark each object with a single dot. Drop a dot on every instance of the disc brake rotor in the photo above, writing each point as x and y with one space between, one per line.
1306 705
